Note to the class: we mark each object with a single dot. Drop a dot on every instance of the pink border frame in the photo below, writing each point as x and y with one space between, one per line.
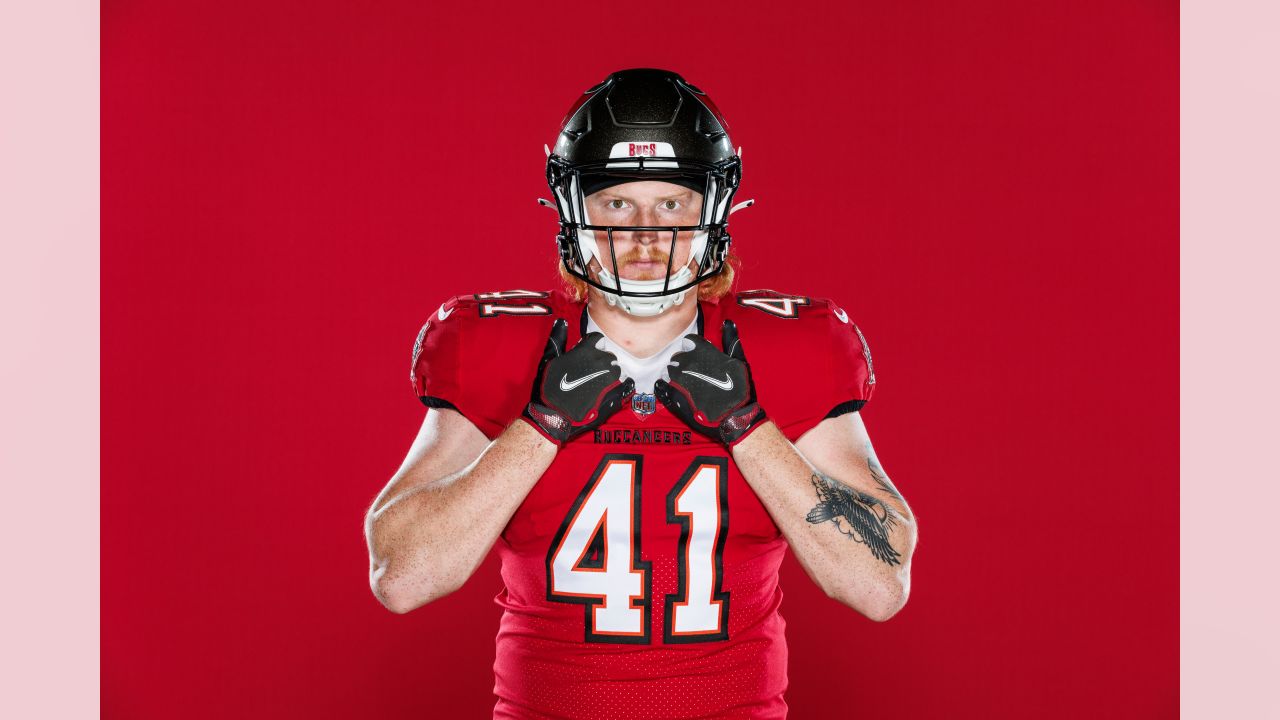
49 303
1230 184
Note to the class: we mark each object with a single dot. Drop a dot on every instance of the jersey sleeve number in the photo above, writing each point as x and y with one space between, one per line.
594 559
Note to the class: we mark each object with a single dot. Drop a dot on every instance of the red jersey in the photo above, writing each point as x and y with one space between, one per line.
641 571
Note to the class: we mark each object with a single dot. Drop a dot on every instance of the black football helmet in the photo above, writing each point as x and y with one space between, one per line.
643 125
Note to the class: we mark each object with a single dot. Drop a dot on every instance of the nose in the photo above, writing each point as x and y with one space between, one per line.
646 217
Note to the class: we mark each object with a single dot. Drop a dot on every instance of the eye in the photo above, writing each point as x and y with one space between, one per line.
616 204
670 205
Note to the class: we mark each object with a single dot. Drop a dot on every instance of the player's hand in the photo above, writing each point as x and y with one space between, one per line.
575 391
712 391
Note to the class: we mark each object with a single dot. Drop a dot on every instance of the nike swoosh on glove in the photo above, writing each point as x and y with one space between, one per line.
710 390
575 391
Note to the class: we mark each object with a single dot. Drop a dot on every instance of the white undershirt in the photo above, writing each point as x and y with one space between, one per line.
645 370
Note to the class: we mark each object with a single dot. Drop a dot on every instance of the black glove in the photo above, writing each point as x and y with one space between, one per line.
712 391
575 391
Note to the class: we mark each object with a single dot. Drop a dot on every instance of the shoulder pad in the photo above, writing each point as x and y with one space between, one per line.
477 353
809 360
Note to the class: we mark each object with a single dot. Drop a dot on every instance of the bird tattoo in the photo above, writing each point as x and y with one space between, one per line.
856 514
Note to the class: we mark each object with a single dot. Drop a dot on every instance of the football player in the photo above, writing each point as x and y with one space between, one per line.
643 444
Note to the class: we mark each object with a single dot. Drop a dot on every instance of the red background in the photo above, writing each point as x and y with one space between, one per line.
290 188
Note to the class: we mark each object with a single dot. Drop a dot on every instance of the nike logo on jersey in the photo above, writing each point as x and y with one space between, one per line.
442 314
840 314
726 384
566 384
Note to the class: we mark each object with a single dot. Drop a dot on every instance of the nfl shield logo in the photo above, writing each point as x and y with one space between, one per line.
643 404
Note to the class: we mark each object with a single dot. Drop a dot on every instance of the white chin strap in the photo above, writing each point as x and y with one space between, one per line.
644 306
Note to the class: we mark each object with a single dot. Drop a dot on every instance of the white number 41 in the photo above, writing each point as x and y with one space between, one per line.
595 557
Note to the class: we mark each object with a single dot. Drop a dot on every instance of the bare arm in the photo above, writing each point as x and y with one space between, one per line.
437 518
849 527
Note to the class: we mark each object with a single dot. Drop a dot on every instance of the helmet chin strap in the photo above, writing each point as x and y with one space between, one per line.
644 306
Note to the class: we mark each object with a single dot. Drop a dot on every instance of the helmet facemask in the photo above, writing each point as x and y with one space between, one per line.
588 249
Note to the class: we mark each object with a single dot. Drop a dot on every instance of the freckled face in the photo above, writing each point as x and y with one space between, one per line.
642 254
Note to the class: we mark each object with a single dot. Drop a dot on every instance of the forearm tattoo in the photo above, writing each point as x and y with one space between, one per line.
882 480
858 515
